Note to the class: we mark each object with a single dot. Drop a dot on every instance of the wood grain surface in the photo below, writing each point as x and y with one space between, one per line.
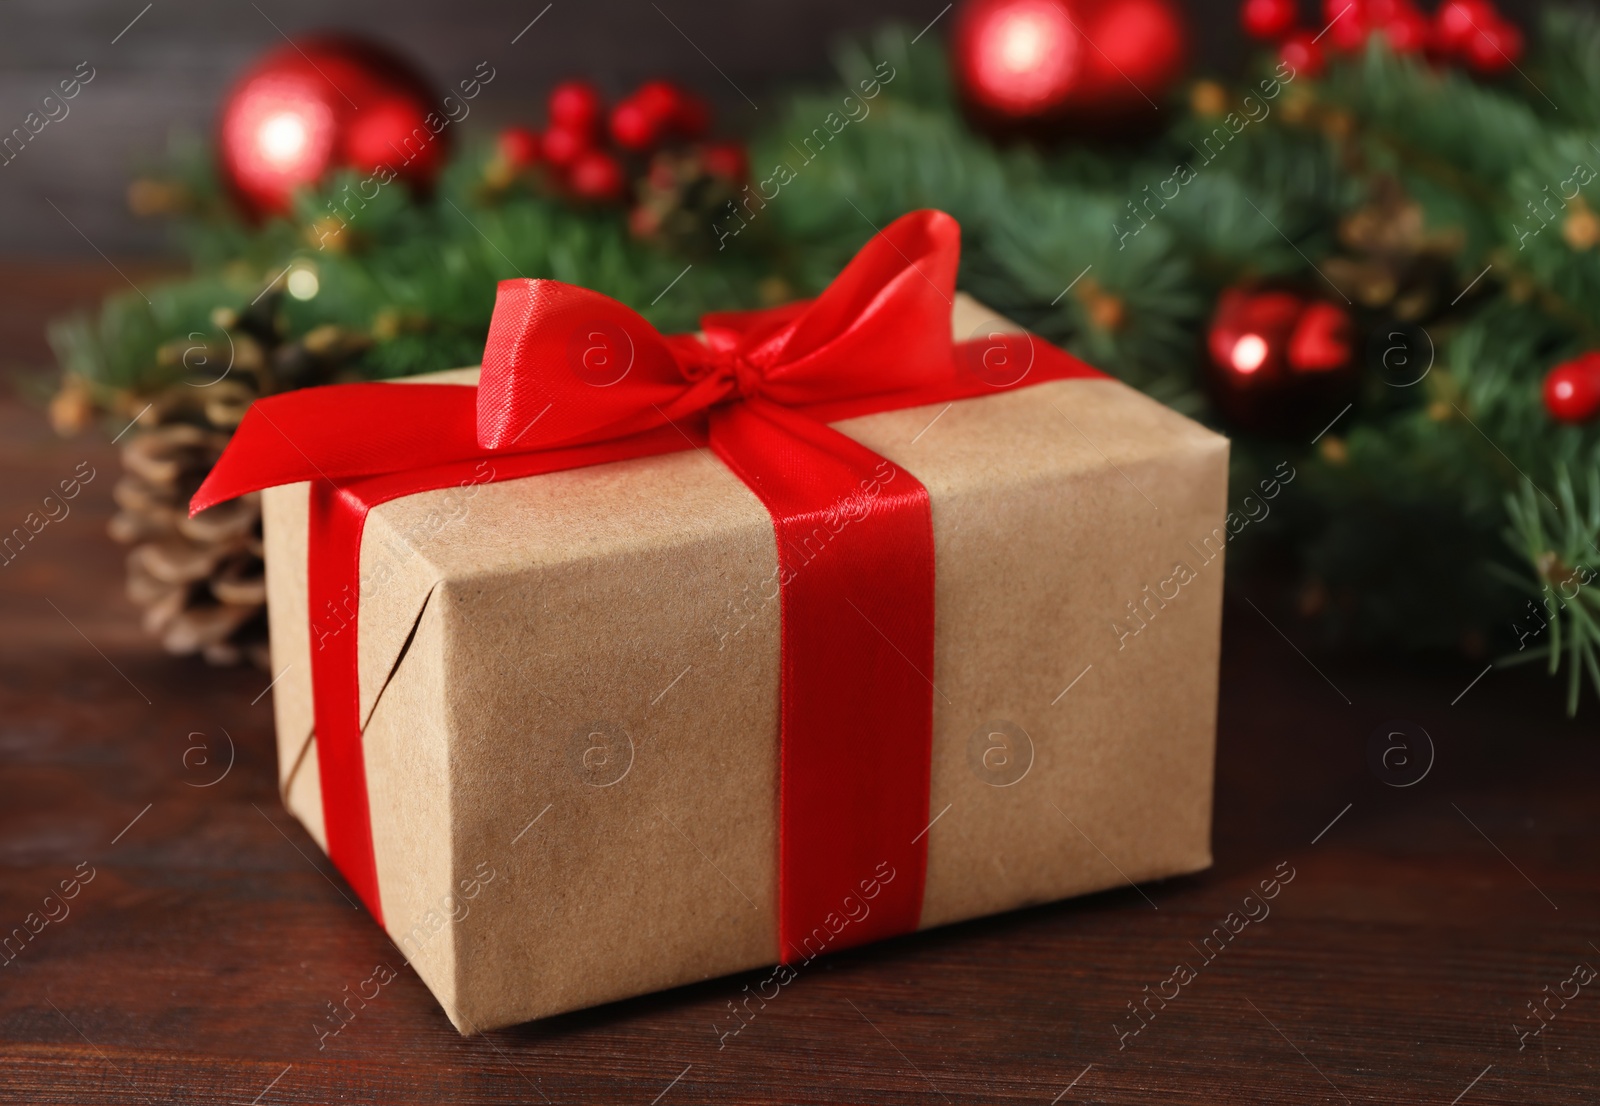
198 963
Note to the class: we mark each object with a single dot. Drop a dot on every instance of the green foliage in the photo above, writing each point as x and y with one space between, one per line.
1401 513
418 277
1051 237
1558 537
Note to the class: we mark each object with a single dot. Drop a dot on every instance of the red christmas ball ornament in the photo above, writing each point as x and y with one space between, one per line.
519 146
597 176
1268 20
326 103
1250 330
1018 58
1026 64
1302 54
1279 361
1320 339
1572 389
1138 52
575 106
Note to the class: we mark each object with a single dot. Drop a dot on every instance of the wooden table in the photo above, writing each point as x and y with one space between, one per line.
198 962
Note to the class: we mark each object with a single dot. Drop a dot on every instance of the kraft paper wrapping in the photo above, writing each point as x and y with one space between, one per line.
570 692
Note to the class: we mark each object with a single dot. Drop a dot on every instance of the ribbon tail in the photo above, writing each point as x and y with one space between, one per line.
342 431
856 569
333 582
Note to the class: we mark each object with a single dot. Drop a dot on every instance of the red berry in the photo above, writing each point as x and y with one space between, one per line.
727 160
1301 53
1511 40
562 146
643 222
693 118
575 106
663 172
1572 389
1493 48
519 146
1268 19
672 109
1408 31
1457 21
1347 24
1376 13
660 100
1331 10
633 126
596 175
384 128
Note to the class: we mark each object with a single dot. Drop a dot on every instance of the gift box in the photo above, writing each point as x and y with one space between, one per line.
636 661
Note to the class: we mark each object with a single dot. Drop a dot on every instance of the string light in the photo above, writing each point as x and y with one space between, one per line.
303 283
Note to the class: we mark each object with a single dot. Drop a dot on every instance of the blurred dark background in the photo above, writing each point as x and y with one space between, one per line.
168 70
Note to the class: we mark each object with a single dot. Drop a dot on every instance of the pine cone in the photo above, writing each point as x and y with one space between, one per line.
200 581
1392 262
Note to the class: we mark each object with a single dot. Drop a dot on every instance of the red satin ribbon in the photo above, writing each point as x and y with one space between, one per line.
572 378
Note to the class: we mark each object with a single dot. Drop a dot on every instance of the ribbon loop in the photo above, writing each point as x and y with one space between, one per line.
564 365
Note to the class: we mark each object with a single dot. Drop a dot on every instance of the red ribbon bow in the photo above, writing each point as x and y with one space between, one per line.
573 378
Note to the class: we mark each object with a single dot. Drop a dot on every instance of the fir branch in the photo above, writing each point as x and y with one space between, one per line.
1401 511
1559 541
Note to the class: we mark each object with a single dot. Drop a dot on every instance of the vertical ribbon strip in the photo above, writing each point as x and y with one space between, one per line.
855 572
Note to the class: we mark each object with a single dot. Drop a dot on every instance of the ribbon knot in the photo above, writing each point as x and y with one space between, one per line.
747 379
731 371
718 369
